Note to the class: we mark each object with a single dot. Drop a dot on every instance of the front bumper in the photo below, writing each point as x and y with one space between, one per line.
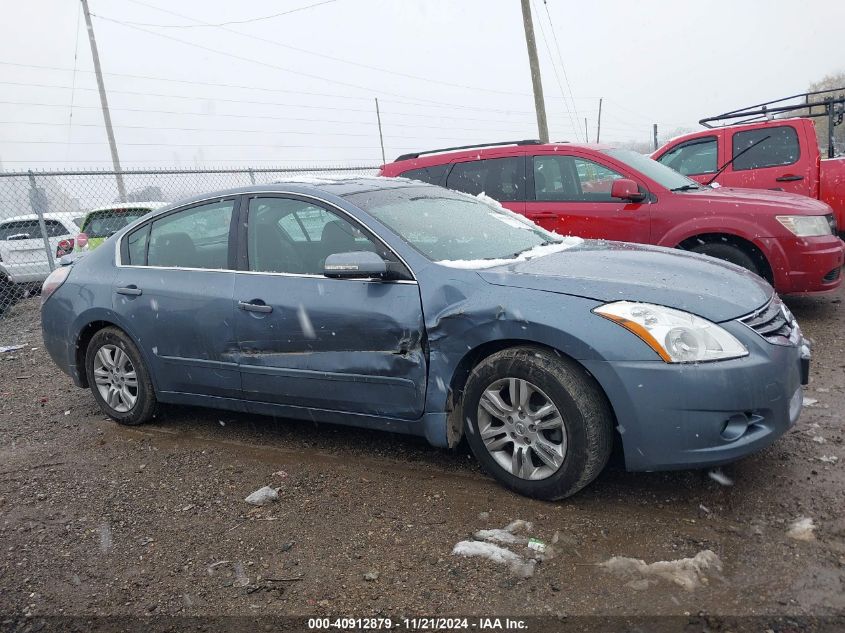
676 416
806 264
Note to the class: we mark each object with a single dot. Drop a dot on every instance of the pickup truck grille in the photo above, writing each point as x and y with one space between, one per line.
773 322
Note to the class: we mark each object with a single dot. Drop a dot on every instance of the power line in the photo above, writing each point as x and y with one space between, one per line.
250 20
253 37
557 76
563 66
243 131
243 58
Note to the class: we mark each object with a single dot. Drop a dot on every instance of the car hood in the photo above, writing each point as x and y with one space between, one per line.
777 201
616 271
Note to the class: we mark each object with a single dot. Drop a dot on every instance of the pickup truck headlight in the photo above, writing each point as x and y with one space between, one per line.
676 336
805 225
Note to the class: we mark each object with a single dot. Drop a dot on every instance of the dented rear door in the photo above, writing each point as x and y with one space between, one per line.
306 340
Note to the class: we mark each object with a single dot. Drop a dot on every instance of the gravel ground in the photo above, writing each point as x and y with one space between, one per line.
98 519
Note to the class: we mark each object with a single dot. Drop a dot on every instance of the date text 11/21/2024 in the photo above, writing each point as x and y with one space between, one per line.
418 624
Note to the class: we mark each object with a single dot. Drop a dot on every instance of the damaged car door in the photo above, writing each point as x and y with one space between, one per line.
306 340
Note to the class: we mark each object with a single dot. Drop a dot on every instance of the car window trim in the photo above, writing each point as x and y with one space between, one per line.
243 256
688 143
774 127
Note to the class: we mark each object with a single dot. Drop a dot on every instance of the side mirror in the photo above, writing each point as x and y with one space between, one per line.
626 189
357 265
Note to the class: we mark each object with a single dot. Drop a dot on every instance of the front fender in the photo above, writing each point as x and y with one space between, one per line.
745 229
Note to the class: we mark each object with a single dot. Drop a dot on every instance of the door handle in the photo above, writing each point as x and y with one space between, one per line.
543 215
131 291
250 306
789 178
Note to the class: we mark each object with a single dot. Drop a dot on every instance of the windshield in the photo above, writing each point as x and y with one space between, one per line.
658 172
450 226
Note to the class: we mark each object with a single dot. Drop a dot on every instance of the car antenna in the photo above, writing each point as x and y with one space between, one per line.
730 162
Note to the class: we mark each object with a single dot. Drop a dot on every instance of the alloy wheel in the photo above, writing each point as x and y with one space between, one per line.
522 428
115 378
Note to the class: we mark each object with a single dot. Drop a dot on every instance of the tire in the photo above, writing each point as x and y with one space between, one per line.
111 349
729 253
7 295
582 442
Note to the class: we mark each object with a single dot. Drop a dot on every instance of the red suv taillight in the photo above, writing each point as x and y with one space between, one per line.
82 240
65 247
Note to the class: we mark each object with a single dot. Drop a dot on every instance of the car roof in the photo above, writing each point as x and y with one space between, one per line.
339 186
447 155
128 206
64 218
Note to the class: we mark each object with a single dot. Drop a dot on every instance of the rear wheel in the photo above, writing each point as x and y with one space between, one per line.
118 377
537 422
729 253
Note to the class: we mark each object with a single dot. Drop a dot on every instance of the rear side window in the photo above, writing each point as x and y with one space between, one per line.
197 237
772 147
136 243
698 156
432 175
20 230
502 179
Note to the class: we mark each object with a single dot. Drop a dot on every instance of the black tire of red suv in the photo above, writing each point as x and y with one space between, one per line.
729 253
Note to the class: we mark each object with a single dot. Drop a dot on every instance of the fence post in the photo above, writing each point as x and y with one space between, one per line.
38 201
252 175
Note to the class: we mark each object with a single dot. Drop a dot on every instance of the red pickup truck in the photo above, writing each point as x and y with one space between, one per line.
783 156
597 191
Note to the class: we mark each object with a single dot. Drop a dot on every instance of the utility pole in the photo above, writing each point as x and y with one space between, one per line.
655 136
380 137
536 81
121 189
598 126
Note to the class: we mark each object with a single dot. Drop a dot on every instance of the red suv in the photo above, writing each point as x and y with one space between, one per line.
597 191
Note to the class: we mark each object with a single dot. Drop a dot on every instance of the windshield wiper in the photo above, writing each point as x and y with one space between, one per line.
689 187
737 155
546 243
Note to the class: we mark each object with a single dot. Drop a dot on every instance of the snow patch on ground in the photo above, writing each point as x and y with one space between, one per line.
689 573
497 554
802 529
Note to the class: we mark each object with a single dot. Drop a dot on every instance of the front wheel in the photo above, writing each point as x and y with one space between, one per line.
538 422
118 377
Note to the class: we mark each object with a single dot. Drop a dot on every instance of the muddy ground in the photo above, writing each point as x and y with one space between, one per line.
98 519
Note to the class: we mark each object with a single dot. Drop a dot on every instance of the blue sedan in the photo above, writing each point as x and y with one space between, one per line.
396 305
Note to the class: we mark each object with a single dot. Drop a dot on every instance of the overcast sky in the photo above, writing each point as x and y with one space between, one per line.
300 87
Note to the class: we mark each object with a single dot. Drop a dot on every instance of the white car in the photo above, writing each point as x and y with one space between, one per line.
24 264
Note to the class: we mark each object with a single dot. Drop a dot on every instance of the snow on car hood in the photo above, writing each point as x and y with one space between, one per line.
531 253
778 201
616 271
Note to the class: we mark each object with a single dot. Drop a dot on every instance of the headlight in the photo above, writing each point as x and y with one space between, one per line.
676 336
805 225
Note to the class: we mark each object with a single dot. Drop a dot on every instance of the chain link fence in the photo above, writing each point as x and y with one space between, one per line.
45 215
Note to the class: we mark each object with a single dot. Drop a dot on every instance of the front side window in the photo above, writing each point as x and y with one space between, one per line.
502 179
285 235
650 168
769 147
450 226
197 237
698 156
572 179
